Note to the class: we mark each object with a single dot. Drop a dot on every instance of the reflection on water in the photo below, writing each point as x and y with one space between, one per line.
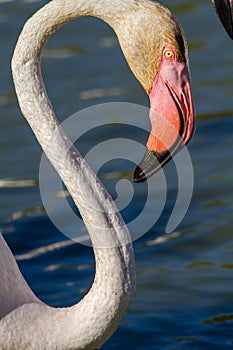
184 280
219 319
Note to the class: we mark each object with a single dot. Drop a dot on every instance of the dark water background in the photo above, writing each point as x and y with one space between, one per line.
184 294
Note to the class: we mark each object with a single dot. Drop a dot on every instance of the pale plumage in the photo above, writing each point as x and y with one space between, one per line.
144 29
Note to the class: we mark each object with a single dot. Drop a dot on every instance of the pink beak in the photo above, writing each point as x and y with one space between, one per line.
172 117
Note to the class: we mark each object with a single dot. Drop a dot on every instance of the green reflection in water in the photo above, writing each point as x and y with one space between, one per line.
197 264
219 319
219 178
183 8
214 204
188 339
227 266
7 98
64 51
216 82
196 45
214 115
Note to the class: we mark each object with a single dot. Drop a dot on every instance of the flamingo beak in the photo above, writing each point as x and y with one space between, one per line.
224 9
172 117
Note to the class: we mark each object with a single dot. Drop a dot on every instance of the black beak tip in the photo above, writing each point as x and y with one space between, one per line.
149 165
139 175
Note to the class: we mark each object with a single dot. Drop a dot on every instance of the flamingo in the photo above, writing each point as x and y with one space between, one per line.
154 46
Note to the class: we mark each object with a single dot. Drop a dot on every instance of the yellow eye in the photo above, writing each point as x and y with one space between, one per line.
168 54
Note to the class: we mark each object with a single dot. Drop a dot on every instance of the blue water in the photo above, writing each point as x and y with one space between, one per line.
184 294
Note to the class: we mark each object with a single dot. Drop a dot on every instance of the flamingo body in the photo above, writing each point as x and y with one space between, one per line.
147 32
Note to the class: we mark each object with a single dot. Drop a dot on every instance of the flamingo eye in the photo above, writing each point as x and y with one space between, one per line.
168 54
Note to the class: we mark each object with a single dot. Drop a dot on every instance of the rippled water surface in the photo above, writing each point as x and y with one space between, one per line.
184 294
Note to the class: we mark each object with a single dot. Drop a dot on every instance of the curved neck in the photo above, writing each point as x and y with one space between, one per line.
114 284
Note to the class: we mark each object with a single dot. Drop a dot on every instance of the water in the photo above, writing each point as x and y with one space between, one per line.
184 285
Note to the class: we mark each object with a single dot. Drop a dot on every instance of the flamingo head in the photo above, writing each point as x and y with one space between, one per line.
224 9
172 114
158 56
